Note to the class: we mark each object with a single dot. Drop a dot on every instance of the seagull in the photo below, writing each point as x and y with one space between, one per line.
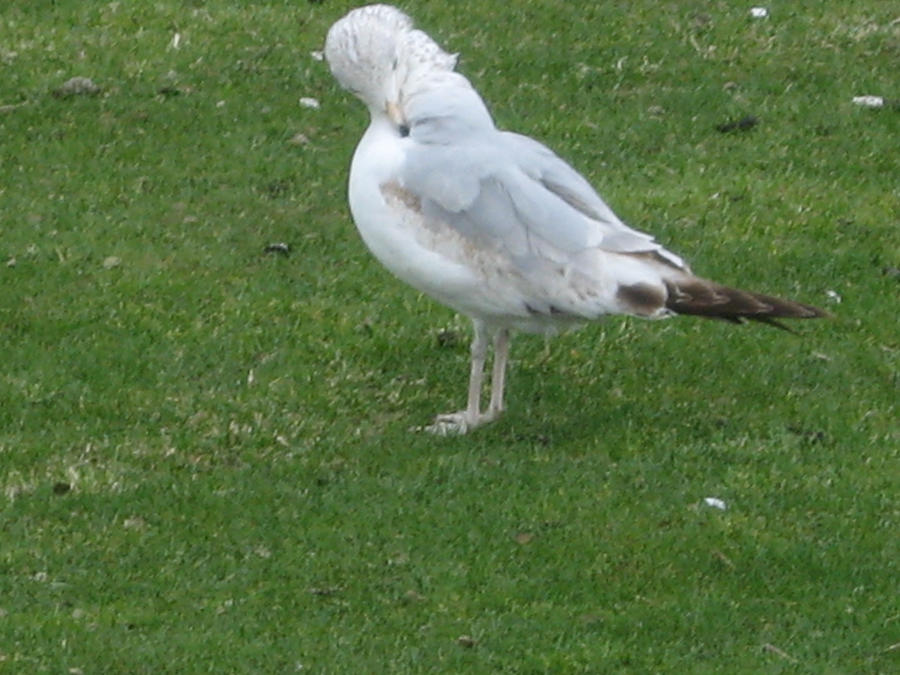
493 223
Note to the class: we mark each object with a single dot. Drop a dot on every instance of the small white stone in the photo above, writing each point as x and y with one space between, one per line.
77 86
869 101
309 102
834 296
317 55
759 12
715 502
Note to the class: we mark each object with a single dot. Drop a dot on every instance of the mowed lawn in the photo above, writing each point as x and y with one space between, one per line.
206 455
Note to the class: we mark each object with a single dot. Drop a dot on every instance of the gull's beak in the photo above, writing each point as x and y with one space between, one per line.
395 114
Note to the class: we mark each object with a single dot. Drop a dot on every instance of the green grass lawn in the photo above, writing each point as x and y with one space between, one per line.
205 455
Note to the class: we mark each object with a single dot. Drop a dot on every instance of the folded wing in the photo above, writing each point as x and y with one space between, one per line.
515 192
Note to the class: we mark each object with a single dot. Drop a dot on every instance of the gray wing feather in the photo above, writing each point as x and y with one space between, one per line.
510 191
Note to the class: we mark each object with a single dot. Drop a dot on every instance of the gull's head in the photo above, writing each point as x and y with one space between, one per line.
375 53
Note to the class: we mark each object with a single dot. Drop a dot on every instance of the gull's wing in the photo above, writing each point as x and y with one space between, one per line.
511 192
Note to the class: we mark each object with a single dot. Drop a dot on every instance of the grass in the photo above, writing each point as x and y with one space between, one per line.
204 456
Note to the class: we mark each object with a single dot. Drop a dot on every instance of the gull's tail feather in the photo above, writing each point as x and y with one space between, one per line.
701 297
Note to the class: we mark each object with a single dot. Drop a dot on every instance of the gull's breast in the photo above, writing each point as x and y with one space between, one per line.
430 256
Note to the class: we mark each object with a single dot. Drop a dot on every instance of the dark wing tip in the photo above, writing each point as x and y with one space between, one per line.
700 297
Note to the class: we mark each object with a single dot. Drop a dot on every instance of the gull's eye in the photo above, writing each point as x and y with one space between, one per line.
404 130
